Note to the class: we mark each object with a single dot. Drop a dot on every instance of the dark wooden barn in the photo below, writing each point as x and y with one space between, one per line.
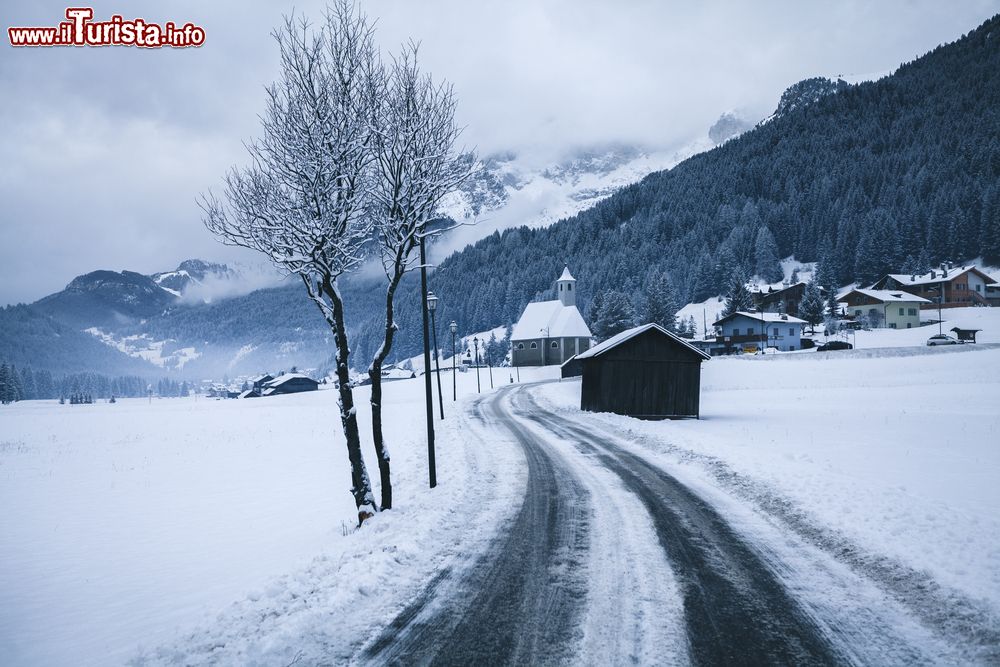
645 372
290 383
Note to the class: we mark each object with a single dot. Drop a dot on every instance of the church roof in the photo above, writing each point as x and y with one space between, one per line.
566 275
550 319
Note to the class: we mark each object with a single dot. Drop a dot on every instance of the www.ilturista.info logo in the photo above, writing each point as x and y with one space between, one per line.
80 30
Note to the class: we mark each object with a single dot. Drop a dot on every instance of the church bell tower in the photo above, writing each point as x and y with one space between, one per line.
566 288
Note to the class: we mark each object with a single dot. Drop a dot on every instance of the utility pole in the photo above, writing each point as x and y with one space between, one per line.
431 466
475 343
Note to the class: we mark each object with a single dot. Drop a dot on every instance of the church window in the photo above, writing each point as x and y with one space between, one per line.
555 343
534 346
520 346
569 287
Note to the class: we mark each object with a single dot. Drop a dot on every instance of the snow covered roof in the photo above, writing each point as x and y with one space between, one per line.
282 379
762 317
550 319
566 274
617 340
935 276
886 296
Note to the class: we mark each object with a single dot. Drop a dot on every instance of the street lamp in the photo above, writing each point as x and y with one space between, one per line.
431 466
475 343
454 329
432 302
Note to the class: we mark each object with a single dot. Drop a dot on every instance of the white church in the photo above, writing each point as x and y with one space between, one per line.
550 332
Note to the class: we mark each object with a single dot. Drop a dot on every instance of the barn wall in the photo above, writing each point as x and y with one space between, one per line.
649 377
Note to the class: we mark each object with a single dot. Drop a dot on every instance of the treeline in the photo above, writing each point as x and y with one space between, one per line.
897 174
26 384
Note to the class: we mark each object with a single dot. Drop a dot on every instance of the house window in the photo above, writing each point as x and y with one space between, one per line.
736 332
857 313
750 331
892 325
909 324
902 311
534 346
774 332
520 346
555 344
979 288
791 331
912 311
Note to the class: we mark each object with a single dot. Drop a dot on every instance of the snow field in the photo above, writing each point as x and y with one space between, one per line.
127 527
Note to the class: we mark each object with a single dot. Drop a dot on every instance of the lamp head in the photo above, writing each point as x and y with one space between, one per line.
432 301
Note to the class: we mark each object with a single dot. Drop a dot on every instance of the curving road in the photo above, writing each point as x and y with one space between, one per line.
523 601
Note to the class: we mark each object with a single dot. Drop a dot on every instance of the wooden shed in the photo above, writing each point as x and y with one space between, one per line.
645 372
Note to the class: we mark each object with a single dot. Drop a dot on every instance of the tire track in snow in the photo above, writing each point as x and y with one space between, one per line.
520 602
736 609
966 624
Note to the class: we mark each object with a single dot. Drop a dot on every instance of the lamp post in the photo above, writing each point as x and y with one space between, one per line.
432 302
431 466
454 391
475 343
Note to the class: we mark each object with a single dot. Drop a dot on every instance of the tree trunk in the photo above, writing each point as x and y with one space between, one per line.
375 373
361 487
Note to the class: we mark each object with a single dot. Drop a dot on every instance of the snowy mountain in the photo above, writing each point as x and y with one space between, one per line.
513 190
805 93
192 272
729 125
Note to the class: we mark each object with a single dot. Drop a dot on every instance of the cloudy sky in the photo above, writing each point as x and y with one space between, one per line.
103 151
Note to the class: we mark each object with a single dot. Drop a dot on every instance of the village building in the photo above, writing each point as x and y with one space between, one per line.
893 309
749 332
785 300
289 383
645 372
550 332
960 285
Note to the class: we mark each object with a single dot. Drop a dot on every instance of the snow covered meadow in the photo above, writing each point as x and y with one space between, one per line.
127 526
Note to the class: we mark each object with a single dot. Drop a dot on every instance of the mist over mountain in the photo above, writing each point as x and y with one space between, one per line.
898 173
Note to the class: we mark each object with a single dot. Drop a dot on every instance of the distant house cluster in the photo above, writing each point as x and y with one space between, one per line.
751 332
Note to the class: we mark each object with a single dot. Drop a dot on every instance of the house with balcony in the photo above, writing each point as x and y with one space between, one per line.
960 286
750 332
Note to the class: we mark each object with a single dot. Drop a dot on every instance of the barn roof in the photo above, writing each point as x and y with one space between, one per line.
617 340
550 319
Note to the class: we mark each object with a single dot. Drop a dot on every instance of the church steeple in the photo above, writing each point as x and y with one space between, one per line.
566 288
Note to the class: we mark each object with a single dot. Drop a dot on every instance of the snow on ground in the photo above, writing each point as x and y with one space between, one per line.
896 453
985 319
127 526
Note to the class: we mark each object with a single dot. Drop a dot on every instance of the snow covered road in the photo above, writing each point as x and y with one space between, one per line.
612 559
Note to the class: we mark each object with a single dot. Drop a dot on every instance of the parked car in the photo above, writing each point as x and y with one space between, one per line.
834 345
942 339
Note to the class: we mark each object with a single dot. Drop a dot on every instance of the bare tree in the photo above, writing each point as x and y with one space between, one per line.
414 137
302 201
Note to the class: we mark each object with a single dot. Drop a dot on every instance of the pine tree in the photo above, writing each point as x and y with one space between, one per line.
739 298
661 302
766 256
5 385
811 308
616 314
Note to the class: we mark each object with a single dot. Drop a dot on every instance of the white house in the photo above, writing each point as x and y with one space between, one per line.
749 332
894 309
550 332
